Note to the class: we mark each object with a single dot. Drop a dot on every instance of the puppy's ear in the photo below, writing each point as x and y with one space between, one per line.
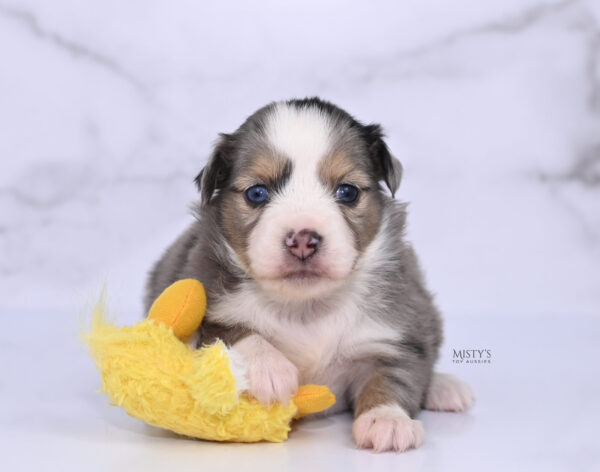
217 171
387 167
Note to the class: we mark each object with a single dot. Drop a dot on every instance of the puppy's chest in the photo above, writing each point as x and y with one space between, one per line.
326 347
317 349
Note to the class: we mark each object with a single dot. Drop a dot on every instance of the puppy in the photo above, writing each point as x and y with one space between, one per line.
308 276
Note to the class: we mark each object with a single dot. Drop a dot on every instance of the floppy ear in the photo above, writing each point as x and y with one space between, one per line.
216 172
387 167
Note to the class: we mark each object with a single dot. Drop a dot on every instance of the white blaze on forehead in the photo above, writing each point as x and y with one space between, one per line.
303 135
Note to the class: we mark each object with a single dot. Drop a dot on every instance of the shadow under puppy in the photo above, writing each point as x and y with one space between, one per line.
308 276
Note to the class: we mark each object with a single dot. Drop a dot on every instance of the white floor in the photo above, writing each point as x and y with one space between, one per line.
538 409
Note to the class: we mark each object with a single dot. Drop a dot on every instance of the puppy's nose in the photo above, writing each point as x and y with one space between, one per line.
303 244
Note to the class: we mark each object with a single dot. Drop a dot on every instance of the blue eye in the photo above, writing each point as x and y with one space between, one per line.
346 193
257 194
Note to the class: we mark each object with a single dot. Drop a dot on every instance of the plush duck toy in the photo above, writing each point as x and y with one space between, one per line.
149 372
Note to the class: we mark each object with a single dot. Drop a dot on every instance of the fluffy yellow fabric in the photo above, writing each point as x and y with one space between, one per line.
153 376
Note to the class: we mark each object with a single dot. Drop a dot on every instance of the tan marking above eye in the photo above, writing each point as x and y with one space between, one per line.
339 168
356 178
244 182
265 169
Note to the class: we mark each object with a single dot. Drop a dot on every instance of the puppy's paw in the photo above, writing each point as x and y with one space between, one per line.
271 376
448 393
272 379
387 428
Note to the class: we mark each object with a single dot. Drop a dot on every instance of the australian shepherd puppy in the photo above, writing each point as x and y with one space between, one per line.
300 248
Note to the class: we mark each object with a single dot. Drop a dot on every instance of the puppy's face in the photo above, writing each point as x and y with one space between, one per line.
298 195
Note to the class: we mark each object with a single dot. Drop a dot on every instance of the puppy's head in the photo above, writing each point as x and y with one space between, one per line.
297 193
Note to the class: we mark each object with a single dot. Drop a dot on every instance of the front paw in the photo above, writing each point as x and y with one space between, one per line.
387 428
272 379
271 376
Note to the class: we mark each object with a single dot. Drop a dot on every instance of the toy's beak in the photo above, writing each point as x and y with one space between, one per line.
313 399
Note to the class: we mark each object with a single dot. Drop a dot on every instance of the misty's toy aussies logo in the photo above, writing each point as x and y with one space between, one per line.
472 356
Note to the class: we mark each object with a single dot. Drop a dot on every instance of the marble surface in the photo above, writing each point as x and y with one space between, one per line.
109 109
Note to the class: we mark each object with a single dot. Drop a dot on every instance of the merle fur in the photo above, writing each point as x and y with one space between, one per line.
399 296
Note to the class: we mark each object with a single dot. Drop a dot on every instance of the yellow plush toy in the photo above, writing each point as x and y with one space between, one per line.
148 371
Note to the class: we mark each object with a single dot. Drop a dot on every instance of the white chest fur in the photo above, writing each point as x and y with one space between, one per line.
326 342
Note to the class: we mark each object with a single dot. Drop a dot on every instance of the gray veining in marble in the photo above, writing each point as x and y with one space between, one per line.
108 110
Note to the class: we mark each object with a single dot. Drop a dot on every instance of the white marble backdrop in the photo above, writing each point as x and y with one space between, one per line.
108 110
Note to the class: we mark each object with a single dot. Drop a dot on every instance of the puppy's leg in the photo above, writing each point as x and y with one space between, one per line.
448 393
271 376
382 412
